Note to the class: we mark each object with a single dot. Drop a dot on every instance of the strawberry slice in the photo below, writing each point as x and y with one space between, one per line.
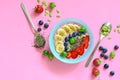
74 54
86 38
85 44
85 41
68 55
80 50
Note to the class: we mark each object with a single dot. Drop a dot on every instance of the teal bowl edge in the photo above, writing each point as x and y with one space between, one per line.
57 55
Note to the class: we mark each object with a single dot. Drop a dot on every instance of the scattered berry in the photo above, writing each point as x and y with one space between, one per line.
105 50
106 66
41 22
38 9
45 52
97 62
95 71
46 25
116 47
101 48
50 56
112 54
39 29
102 55
105 56
52 5
112 73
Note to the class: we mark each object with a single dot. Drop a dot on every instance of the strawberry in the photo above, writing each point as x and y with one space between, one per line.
68 55
85 41
38 9
97 62
85 44
74 54
80 50
95 71
86 38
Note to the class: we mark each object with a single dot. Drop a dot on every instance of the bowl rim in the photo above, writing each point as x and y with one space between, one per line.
57 55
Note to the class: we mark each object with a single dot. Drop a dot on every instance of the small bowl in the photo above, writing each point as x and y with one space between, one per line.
52 46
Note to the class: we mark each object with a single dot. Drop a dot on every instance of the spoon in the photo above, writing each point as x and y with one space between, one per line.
103 33
39 40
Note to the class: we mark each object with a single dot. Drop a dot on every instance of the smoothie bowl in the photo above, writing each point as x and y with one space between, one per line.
71 41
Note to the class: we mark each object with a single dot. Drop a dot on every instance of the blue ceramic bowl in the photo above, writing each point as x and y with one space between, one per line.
52 46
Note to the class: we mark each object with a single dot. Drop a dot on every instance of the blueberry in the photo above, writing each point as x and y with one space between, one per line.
46 25
105 50
66 48
74 34
65 44
78 34
83 32
105 56
100 48
102 55
70 36
66 39
116 47
39 29
112 73
106 66
40 22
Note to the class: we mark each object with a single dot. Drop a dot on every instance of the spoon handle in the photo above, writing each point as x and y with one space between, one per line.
92 54
28 16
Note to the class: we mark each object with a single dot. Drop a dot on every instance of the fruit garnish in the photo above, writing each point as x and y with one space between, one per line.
39 9
97 62
68 55
106 66
82 29
112 54
80 50
95 72
60 48
74 54
72 40
45 52
52 5
50 56
63 54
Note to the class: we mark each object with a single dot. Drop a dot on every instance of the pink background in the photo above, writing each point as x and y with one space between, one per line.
20 61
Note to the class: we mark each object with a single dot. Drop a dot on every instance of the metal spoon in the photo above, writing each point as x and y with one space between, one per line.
39 40
100 38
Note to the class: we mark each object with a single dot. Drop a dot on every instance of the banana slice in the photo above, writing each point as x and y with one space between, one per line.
58 42
77 27
60 48
62 32
67 29
57 37
72 27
